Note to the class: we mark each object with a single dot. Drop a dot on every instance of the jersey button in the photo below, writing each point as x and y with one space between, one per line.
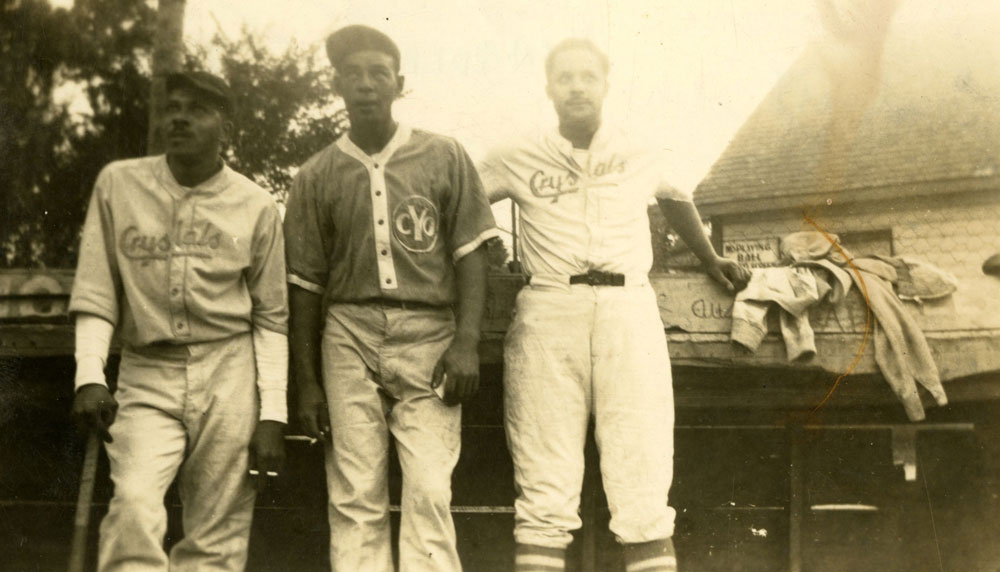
378 193
376 165
384 252
180 325
380 221
175 291
388 280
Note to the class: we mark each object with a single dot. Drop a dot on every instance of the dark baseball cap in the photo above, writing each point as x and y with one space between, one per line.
211 86
356 38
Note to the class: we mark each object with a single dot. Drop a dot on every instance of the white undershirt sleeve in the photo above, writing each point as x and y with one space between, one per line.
93 341
270 350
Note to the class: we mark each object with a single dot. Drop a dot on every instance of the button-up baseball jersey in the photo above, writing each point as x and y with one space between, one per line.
584 209
174 264
389 225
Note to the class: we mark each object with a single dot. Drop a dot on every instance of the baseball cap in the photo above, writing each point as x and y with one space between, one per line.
211 86
357 37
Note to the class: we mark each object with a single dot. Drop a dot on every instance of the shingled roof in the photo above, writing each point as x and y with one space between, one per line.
931 126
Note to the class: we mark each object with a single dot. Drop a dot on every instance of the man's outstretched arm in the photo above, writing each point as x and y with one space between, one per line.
683 217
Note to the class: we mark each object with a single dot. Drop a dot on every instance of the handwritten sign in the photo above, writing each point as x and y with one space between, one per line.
694 303
753 253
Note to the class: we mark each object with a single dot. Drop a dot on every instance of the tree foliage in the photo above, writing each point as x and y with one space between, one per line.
51 158
669 251
497 255
286 110
98 52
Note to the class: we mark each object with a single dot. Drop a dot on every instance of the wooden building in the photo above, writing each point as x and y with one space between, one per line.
895 151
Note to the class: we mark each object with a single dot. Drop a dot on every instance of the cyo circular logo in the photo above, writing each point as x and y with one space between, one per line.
415 223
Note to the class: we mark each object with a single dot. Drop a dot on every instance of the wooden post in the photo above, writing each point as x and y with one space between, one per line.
168 55
797 496
516 265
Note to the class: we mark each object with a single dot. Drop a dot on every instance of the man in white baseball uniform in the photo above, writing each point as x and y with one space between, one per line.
385 231
185 258
586 339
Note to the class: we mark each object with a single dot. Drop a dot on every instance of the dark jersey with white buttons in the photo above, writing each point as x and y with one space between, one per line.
390 225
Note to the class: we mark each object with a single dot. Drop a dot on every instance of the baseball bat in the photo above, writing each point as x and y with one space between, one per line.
78 547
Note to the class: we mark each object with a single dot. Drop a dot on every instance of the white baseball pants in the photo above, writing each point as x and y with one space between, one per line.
576 351
377 368
188 409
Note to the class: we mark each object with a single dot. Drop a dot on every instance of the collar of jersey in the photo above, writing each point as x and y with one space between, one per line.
212 185
399 138
599 141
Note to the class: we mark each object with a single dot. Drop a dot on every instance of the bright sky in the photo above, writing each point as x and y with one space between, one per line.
688 72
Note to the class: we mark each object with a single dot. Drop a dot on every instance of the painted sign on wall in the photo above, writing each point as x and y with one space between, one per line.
753 253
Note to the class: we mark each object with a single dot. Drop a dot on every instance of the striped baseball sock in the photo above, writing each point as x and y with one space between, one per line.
533 558
653 556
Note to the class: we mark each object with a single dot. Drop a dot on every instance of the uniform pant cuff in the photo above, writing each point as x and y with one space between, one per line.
533 558
653 556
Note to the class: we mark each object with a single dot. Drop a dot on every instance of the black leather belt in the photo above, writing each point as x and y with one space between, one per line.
598 278
402 304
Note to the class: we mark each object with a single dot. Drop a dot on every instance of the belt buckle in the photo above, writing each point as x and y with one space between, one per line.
597 278
602 278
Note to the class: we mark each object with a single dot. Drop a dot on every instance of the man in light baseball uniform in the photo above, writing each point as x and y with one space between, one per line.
384 233
586 339
185 258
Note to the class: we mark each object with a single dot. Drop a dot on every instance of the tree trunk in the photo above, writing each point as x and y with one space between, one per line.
168 56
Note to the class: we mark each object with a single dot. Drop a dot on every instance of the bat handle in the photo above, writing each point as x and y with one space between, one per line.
78 548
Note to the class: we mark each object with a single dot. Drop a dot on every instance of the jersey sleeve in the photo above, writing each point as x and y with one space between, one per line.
467 214
92 336
266 279
493 173
97 284
270 351
305 256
